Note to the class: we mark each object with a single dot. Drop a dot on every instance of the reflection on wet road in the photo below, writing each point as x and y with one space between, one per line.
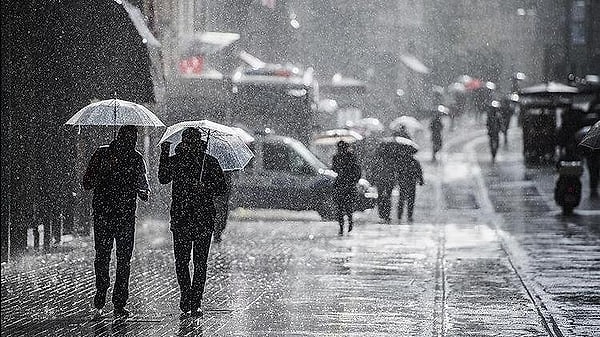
486 256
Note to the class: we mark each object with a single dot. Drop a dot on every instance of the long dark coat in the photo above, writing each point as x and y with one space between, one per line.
192 205
116 173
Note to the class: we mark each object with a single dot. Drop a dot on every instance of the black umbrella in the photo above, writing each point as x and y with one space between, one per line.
398 146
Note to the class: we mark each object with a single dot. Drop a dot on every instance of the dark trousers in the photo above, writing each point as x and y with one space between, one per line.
222 213
384 200
494 143
407 194
344 199
109 229
183 246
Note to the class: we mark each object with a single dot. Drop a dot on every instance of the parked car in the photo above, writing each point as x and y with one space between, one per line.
285 175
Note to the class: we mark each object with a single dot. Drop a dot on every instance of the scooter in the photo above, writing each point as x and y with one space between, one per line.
567 192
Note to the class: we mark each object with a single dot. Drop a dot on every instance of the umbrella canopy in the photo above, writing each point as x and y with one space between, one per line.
366 126
246 137
548 89
115 112
408 122
224 142
399 145
414 64
333 136
591 139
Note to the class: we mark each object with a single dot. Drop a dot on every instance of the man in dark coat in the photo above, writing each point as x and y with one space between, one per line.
196 178
436 126
383 176
494 126
409 174
117 174
344 163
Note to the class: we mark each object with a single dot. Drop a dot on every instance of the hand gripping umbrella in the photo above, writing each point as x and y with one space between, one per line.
223 143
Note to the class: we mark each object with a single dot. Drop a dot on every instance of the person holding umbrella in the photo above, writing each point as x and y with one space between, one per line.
196 179
348 171
117 174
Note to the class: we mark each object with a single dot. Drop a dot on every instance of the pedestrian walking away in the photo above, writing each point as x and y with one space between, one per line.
436 126
383 177
409 175
196 179
345 164
493 124
505 116
117 175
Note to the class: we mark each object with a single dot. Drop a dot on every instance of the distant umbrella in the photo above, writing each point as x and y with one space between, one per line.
366 125
409 122
414 64
398 146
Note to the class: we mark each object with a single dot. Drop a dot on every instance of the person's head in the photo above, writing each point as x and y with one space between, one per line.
343 146
127 135
193 138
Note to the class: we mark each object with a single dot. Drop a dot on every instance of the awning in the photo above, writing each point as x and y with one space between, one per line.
206 43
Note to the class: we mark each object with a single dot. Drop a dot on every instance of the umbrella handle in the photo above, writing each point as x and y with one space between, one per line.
204 156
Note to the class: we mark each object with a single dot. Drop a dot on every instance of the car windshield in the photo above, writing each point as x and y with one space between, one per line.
307 155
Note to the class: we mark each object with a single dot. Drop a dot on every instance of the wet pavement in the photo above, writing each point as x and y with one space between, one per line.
488 255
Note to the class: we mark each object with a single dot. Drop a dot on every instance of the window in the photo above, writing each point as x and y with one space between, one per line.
276 157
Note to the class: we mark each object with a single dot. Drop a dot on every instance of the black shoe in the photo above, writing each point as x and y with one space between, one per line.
350 228
121 313
97 316
99 299
197 312
185 304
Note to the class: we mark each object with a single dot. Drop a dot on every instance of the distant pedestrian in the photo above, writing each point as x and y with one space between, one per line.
493 124
345 164
196 179
409 175
506 113
222 209
436 126
382 175
117 174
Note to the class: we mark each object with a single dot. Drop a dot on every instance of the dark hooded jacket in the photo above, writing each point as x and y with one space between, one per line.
192 195
116 173
348 170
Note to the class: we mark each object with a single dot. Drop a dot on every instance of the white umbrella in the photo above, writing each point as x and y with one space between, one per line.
409 122
414 64
115 112
224 142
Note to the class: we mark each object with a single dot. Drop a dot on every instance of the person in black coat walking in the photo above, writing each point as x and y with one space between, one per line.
117 174
196 179
344 163
436 126
409 174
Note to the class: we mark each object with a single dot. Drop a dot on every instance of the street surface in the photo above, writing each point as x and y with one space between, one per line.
489 254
